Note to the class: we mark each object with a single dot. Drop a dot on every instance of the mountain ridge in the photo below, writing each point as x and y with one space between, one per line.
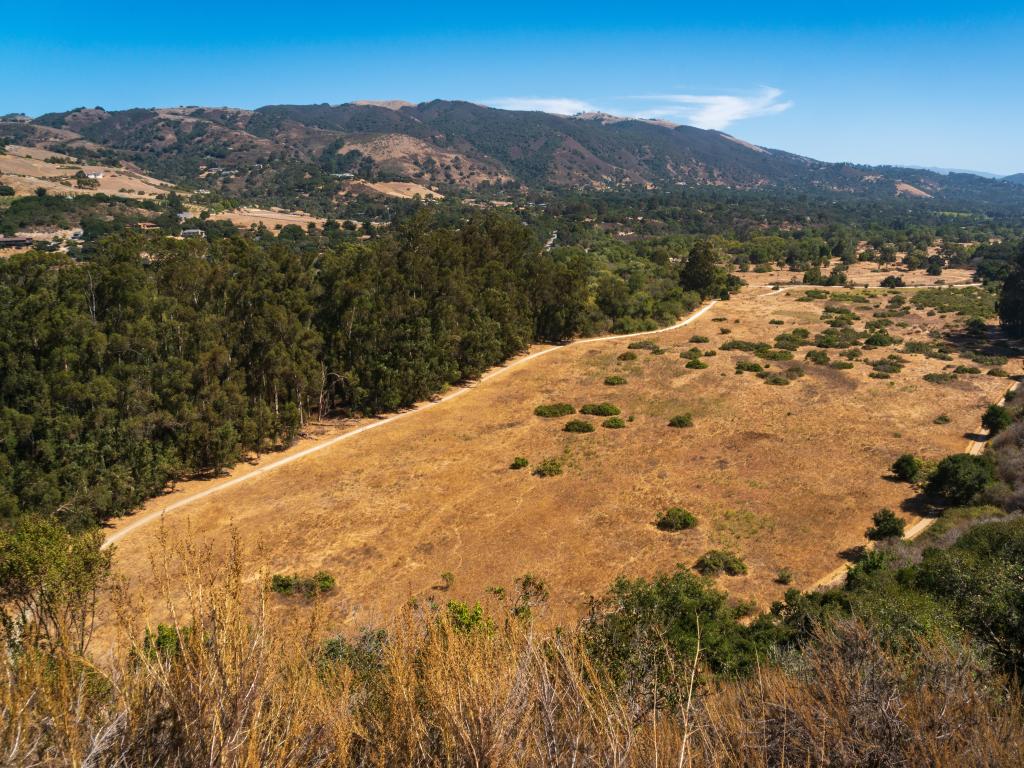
458 145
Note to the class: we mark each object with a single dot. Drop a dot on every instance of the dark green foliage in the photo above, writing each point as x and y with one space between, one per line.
942 419
627 356
967 369
996 418
699 339
880 339
648 345
907 468
307 586
818 357
519 462
578 426
600 409
716 561
682 420
784 576
696 364
892 281
841 365
939 378
548 468
614 381
677 519
554 410
639 623
613 423
968 302
774 379
961 477
749 366
886 526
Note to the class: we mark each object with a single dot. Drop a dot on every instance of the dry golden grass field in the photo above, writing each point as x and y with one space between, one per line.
786 476
26 169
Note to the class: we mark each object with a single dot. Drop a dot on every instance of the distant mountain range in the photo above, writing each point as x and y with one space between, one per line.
455 145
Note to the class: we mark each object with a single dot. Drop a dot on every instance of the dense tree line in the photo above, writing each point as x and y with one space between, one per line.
156 358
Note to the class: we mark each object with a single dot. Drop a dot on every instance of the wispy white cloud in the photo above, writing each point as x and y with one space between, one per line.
554 106
716 111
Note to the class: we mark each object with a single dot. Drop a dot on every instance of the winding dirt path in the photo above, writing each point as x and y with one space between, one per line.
156 514
974 447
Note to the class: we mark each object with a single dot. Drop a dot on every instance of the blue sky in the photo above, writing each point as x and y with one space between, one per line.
934 84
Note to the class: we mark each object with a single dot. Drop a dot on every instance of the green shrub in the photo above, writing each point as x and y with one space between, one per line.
627 356
961 477
600 409
710 353
613 423
841 365
784 576
998 372
692 354
716 561
307 586
775 379
886 526
775 354
696 364
818 357
682 420
699 339
553 410
676 519
996 419
942 418
776 322
548 468
879 375
615 381
967 369
646 344
519 462
939 378
578 426
749 366
907 468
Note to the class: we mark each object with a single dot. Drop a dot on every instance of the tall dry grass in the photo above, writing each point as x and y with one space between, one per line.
249 686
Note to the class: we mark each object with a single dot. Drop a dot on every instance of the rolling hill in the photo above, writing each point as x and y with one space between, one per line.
455 145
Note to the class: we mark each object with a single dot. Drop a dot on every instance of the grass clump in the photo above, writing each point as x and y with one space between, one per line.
677 519
614 381
942 418
716 561
613 423
548 468
519 462
578 426
553 410
600 409
681 420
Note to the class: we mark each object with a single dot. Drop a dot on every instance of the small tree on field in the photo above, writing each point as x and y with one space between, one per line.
907 468
996 419
886 526
961 477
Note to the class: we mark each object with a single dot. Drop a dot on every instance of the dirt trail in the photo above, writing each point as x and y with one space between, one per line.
974 447
149 517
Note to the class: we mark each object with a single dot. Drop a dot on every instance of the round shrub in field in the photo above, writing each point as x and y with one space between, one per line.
716 561
784 576
699 339
519 462
696 364
676 519
600 409
627 356
615 381
907 467
961 477
553 410
996 419
748 365
548 468
682 420
613 423
579 426
886 526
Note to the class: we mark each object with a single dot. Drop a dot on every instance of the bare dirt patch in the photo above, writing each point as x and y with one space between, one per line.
786 476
